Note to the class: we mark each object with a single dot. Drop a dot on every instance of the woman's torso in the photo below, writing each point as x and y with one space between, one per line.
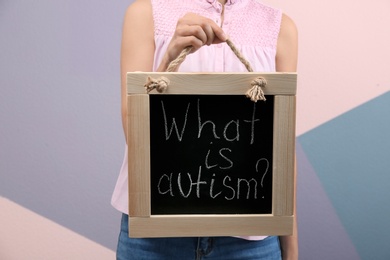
252 27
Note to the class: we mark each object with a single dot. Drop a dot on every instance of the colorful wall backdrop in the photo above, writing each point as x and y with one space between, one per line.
61 142
343 123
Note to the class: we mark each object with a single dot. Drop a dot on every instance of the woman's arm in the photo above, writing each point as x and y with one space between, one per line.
137 50
287 48
286 61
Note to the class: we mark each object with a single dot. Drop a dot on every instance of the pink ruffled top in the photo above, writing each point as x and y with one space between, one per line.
252 26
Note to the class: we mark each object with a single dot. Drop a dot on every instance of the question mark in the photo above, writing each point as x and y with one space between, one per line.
266 170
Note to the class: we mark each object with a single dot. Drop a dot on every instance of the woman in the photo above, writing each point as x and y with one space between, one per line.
154 34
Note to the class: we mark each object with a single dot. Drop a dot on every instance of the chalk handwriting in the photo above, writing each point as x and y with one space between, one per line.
232 124
230 188
214 174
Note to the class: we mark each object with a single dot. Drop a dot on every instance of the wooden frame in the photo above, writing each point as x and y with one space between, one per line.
280 222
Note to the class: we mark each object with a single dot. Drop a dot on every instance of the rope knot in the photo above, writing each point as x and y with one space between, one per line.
160 84
256 92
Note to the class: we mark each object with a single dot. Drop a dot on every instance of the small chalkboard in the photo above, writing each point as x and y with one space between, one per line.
204 160
211 154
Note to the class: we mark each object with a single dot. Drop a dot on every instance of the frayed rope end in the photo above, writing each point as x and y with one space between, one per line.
160 84
256 92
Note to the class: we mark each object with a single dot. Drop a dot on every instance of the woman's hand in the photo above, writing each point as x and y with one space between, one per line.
192 30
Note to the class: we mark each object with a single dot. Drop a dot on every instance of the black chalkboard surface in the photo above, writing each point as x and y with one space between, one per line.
211 154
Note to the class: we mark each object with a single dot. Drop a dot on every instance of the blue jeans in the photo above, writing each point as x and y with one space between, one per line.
197 248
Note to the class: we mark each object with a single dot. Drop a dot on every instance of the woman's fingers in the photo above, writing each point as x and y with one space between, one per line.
205 29
191 35
195 31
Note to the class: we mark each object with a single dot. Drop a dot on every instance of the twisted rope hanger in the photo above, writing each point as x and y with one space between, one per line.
255 93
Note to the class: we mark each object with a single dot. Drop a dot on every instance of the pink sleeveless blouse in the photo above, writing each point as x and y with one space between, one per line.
252 26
